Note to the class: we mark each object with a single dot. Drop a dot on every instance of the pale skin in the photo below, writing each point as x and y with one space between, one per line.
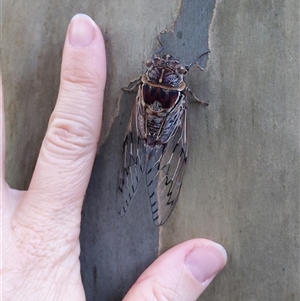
40 226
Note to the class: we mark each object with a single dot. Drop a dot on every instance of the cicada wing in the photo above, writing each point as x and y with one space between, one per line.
164 173
133 162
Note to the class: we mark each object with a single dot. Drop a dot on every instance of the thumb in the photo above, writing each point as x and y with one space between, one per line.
182 273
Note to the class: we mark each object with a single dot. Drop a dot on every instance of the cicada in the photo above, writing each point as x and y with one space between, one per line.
155 144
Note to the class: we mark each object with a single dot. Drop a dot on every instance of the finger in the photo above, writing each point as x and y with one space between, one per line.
66 157
182 273
2 138
10 197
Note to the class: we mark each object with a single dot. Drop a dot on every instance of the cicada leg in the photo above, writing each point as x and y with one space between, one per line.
202 102
132 85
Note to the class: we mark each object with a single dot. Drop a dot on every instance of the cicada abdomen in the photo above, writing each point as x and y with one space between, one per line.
155 144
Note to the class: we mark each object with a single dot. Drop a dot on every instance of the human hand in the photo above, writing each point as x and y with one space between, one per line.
41 225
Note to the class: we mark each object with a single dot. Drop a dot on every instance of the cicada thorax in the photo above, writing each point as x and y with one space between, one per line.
162 115
163 99
158 98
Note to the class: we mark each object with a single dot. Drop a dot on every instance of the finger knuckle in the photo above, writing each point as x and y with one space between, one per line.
32 244
77 76
70 135
164 293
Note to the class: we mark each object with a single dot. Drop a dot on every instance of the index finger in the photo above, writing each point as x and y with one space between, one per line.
66 157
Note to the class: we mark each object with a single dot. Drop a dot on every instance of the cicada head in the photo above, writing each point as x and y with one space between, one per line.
165 71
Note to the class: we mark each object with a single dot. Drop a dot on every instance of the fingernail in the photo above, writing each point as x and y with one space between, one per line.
82 31
204 262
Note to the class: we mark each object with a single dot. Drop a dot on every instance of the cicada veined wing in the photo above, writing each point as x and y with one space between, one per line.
164 173
133 163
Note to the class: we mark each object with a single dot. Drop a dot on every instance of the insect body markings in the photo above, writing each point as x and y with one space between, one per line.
155 144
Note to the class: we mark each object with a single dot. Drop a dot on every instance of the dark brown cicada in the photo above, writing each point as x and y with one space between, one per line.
155 144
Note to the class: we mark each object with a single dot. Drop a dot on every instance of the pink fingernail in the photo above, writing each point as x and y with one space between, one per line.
82 31
204 262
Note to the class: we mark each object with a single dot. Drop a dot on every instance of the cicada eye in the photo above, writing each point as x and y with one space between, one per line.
181 70
149 63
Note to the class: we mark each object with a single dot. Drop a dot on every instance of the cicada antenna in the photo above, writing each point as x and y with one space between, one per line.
188 67
159 42
157 52
160 49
